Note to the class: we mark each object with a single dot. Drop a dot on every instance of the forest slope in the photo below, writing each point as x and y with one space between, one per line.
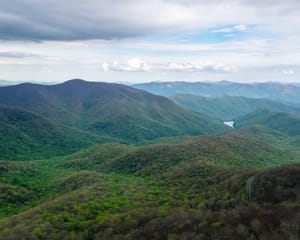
108 109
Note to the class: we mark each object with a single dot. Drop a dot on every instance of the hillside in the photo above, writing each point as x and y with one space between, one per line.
25 135
186 187
282 122
277 185
195 189
109 109
228 107
268 90
159 162
244 148
232 149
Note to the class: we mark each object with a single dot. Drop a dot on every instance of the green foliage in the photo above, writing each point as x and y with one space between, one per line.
96 157
97 189
197 201
229 107
27 136
97 110
232 149
277 185
171 188
281 122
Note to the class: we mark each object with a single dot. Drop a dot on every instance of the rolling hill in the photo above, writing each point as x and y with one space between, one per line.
186 187
194 189
244 148
228 107
107 109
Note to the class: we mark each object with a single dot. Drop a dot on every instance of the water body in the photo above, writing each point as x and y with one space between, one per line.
229 123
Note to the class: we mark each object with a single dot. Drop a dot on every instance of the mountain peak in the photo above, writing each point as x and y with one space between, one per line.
73 81
109 109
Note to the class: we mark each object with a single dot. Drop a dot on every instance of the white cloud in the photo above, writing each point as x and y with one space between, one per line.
105 19
240 28
131 65
202 67
288 72
105 67
85 35
236 28
223 30
137 65
244 46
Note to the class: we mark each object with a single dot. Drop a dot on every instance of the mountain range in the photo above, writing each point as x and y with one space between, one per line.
109 111
268 90
86 160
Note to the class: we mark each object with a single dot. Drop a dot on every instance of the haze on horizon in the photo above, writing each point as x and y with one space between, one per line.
140 41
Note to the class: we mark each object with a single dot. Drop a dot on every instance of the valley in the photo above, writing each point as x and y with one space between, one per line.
83 160
149 120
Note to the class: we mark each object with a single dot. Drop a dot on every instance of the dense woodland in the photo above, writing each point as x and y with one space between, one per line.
192 182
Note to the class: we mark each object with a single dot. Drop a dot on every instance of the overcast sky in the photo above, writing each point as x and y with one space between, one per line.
157 40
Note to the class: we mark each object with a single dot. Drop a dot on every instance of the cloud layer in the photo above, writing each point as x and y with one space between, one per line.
10 54
138 65
37 20
202 67
131 65
138 40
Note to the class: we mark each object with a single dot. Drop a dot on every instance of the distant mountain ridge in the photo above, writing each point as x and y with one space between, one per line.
268 90
8 83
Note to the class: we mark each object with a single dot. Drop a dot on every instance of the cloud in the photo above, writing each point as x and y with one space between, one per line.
233 47
105 67
288 72
236 28
137 65
201 67
240 28
16 55
36 20
172 38
131 65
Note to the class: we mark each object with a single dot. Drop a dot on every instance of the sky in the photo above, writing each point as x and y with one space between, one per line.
133 41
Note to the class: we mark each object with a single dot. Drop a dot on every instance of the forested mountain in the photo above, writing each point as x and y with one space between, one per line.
25 135
228 107
109 109
283 122
138 174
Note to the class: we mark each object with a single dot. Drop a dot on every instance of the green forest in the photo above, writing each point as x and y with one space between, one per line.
142 167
